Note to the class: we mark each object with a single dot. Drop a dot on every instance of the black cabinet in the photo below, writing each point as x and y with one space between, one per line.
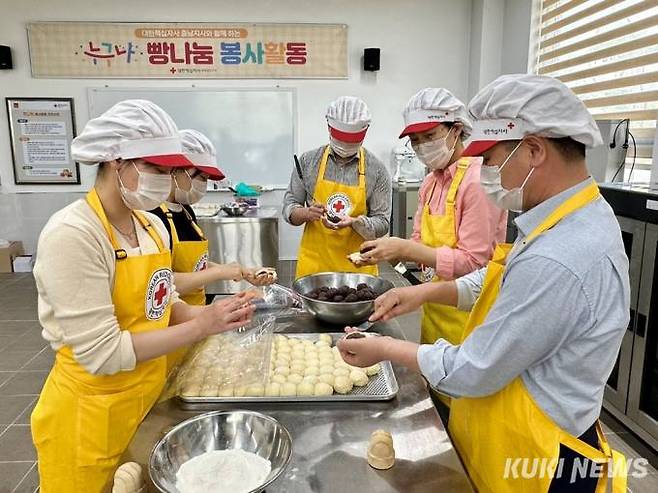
632 391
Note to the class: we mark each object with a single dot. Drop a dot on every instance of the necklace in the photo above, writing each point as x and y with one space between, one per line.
132 234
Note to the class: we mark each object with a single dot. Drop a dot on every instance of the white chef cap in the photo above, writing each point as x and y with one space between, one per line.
517 105
431 106
200 150
348 118
131 129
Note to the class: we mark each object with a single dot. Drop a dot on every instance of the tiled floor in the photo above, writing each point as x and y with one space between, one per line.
25 361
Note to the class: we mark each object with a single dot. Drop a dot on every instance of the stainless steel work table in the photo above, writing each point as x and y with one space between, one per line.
330 440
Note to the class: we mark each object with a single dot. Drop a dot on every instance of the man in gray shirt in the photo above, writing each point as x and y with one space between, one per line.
348 203
531 371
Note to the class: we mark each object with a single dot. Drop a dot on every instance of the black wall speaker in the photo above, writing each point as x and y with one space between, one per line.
371 59
5 58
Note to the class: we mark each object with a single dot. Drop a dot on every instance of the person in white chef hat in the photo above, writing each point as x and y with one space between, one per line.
107 301
192 267
547 320
456 228
340 192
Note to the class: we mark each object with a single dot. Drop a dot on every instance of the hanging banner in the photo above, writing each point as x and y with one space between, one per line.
188 50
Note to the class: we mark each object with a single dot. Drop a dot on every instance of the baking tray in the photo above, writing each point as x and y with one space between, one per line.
381 387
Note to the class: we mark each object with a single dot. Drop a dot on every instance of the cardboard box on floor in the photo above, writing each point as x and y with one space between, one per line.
8 254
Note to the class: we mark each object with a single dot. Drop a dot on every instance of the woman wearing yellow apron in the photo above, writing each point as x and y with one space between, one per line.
456 227
341 193
549 317
107 301
192 268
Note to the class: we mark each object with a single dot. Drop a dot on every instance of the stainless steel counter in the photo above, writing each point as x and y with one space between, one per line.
252 240
330 441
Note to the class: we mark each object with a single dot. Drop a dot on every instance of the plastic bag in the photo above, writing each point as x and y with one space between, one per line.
278 301
232 363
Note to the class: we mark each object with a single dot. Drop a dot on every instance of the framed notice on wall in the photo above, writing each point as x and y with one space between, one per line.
41 131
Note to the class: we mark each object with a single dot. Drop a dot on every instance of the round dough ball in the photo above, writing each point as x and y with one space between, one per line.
373 370
327 338
326 378
280 338
311 370
311 350
294 378
240 391
225 391
307 343
283 349
323 389
288 389
293 341
328 369
191 389
312 360
341 372
282 370
359 378
284 356
273 389
343 384
208 390
305 389
297 367
257 390
297 349
279 379
281 363
312 379
321 343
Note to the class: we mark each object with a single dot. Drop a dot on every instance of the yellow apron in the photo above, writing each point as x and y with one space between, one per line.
187 256
442 321
326 250
83 423
488 431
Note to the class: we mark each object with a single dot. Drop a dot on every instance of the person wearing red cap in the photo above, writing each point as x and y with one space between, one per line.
107 301
456 228
189 247
547 318
341 193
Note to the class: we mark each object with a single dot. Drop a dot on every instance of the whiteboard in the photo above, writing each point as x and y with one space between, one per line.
252 129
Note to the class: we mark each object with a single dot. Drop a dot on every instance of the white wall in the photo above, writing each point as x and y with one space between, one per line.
424 43
499 40
408 37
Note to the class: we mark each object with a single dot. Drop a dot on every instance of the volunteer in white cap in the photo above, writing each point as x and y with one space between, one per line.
341 193
547 322
456 228
107 301
189 246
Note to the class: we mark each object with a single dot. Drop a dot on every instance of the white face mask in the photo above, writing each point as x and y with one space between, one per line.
490 179
435 154
194 194
344 149
152 190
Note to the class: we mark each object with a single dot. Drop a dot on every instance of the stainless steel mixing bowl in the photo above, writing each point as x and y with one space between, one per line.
344 313
220 430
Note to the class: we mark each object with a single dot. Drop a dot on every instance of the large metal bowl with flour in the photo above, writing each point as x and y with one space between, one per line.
220 430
